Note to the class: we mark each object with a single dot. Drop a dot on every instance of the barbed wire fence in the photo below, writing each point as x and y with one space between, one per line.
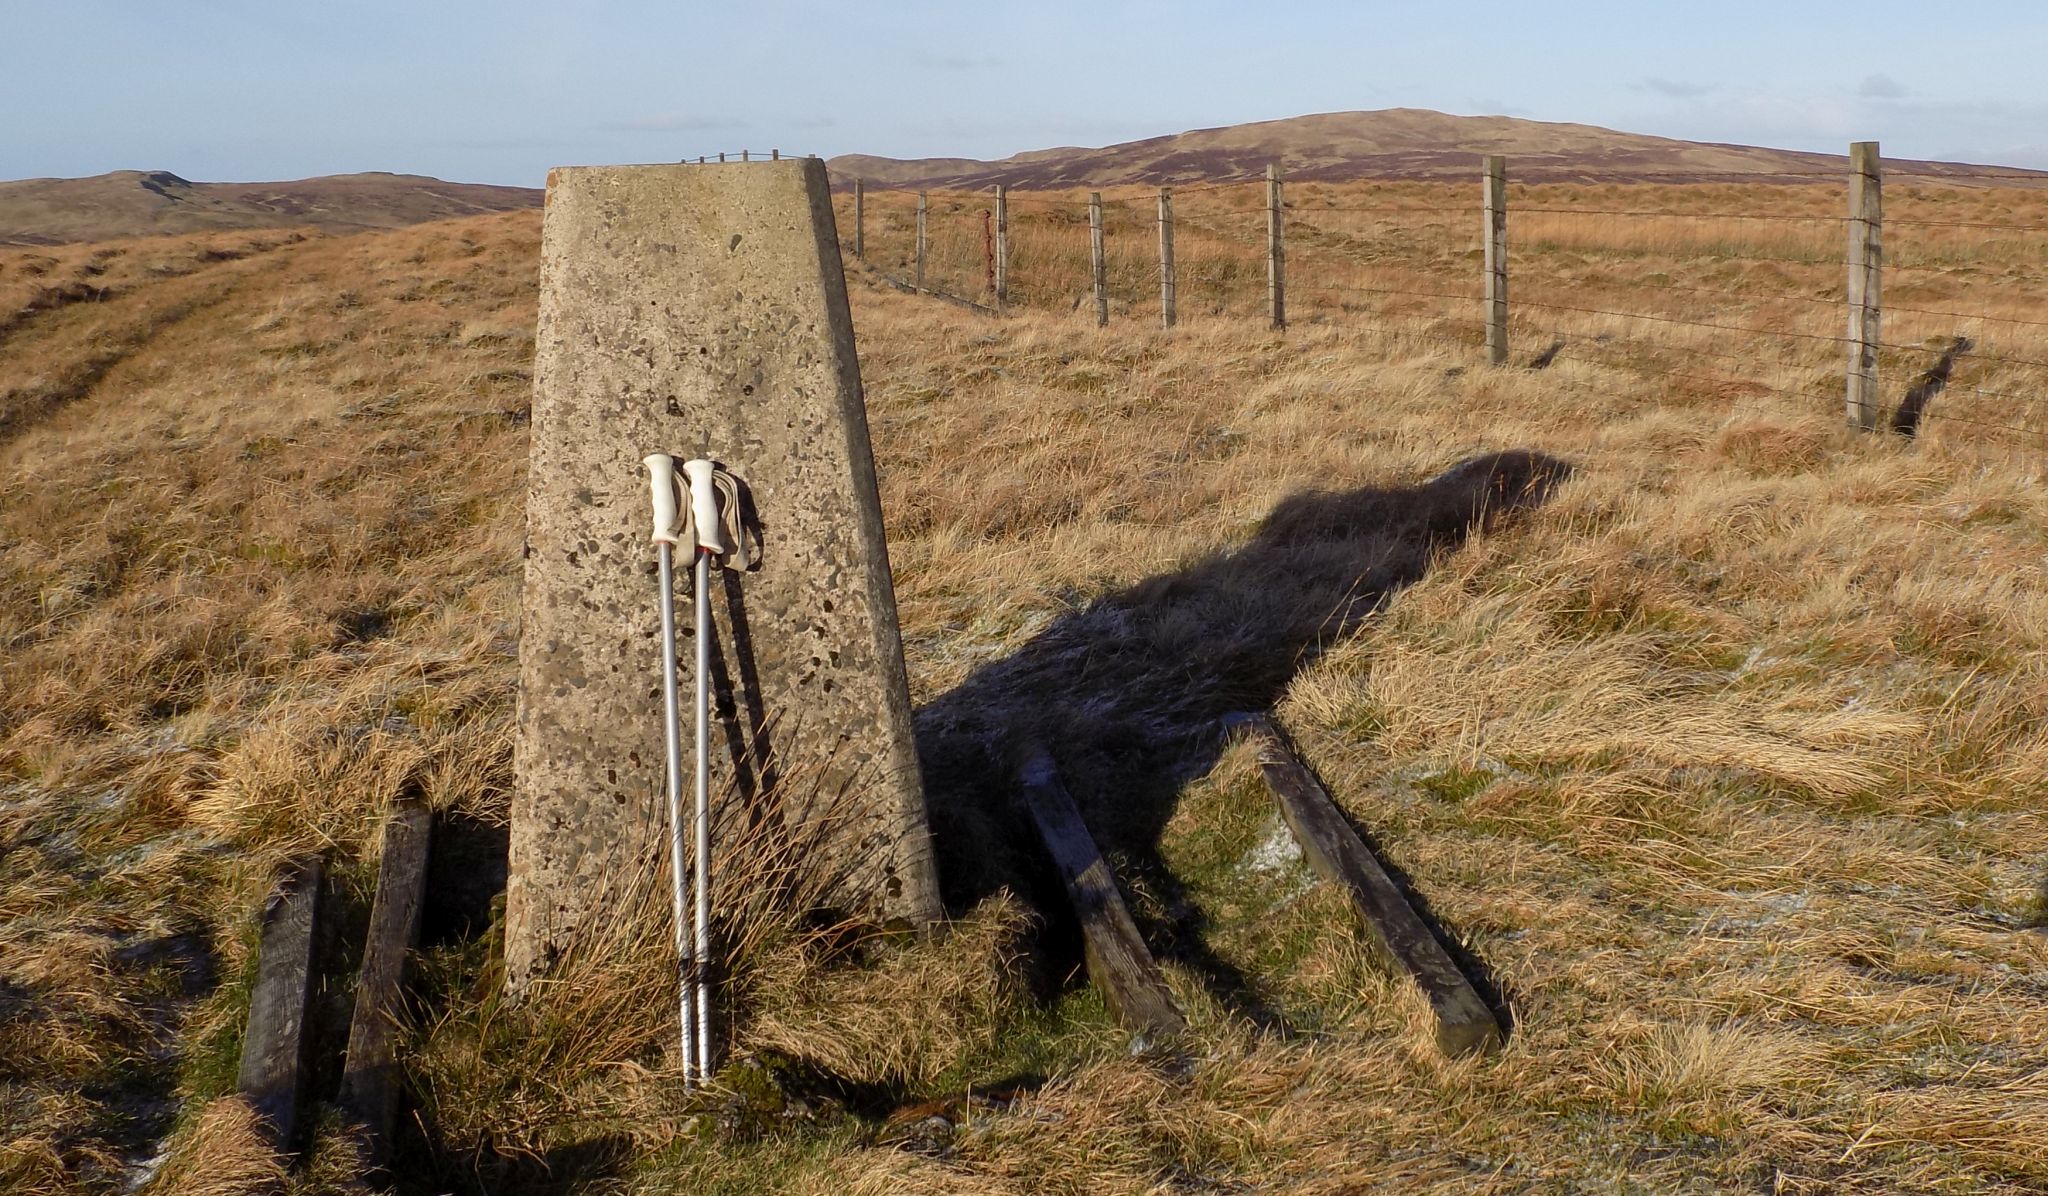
1761 285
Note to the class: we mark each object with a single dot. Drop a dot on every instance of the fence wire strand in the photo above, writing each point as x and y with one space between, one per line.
1516 209
1222 275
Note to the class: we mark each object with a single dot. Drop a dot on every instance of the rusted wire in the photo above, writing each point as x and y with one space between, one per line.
1601 339
1626 315
1519 209
1956 315
1997 394
1447 210
1917 223
1333 286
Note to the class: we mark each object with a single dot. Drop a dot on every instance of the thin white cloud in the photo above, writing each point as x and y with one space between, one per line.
1677 89
677 122
1908 125
1494 107
954 62
1039 133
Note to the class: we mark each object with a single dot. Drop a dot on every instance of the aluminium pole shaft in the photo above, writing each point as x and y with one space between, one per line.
687 1000
702 872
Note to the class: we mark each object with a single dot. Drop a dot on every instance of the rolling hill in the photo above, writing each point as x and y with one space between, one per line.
1394 143
132 203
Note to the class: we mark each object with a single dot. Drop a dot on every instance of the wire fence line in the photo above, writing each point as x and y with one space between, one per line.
1736 283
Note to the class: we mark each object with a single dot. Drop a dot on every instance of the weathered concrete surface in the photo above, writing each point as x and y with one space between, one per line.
701 311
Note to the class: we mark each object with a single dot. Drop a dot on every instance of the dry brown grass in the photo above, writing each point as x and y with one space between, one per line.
254 572
1402 259
1726 763
223 1154
1714 761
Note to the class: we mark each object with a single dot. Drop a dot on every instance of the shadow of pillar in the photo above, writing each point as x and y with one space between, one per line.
1129 692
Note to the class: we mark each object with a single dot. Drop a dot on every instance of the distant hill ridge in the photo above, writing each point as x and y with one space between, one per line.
129 203
1392 143
1397 143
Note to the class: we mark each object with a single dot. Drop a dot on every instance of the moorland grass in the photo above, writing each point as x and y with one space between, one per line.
1725 762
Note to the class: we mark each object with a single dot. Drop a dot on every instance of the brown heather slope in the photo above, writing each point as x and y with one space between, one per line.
1727 762
1410 143
133 203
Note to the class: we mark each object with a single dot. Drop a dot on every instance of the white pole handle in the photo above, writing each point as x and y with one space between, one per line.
704 506
661 478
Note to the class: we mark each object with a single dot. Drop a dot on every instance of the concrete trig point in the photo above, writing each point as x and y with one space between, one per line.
701 313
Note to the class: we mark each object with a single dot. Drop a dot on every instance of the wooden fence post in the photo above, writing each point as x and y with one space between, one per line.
745 155
1495 232
988 252
922 207
1095 252
721 156
1276 252
1167 314
1866 277
1002 245
860 218
775 155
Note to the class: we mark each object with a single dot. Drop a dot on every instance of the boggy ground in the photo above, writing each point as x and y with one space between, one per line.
1724 761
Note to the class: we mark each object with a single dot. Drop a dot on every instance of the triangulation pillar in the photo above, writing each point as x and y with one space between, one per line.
701 311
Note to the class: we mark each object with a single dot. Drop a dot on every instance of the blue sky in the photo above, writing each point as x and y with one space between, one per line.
499 92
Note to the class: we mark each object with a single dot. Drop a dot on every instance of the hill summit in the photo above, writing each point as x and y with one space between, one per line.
1390 143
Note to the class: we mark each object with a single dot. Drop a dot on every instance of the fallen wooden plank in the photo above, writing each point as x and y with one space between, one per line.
274 1041
369 1078
1118 963
1464 1022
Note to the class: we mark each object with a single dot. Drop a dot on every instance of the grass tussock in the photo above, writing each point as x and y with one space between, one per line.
907 1013
1725 762
589 1049
223 1154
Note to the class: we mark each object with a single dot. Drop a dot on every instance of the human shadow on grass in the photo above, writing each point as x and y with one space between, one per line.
1130 693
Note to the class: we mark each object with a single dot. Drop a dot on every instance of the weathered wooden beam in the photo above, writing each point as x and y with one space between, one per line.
274 1040
369 1078
1118 963
1464 1022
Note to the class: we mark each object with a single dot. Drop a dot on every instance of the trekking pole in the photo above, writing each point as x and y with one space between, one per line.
661 476
704 516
